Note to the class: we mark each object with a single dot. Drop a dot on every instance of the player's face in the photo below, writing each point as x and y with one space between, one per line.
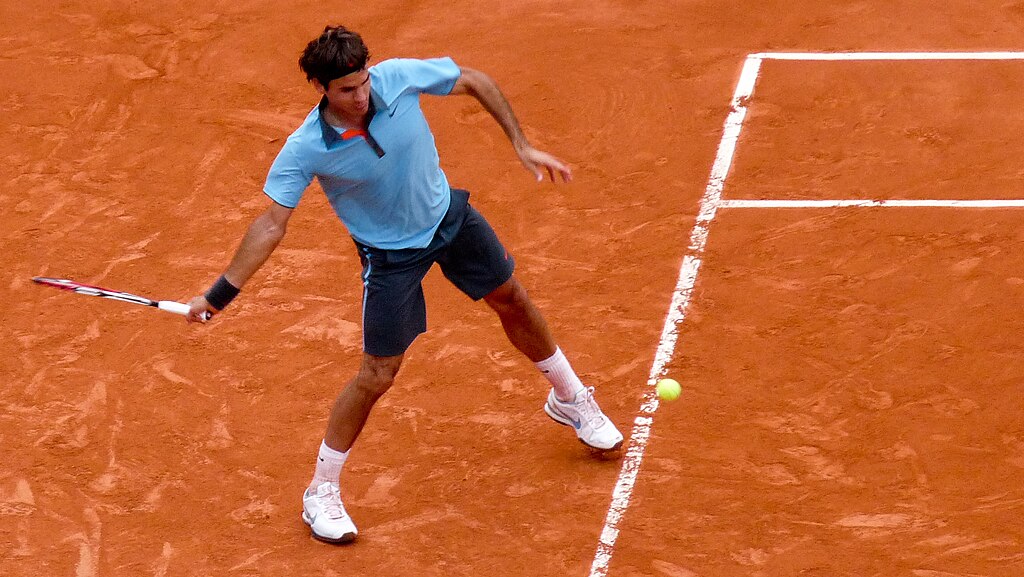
350 94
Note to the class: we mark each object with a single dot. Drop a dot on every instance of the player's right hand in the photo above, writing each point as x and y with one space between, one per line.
200 311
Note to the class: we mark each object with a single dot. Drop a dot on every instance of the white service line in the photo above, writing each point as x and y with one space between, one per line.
993 203
709 204
889 56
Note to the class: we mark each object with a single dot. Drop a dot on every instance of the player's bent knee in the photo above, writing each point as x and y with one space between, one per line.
373 388
373 384
377 374
509 297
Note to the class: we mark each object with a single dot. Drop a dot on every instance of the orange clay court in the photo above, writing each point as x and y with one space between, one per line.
799 242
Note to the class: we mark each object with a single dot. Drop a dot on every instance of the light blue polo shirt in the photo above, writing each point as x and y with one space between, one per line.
388 188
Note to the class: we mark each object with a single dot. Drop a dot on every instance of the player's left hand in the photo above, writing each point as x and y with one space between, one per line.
538 161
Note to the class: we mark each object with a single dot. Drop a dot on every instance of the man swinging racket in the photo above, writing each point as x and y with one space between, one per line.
369 145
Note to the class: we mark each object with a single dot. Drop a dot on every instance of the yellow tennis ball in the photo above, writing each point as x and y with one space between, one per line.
668 389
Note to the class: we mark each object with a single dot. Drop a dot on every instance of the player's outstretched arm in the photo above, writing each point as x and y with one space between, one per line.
486 91
259 242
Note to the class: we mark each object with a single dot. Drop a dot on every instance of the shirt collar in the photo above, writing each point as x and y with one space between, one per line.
330 134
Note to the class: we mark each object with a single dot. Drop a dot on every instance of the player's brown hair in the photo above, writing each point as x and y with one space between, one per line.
337 52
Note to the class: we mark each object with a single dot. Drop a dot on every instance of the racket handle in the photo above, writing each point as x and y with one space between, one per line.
178 308
173 307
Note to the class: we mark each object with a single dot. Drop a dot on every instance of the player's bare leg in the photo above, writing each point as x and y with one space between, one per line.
322 508
569 402
352 406
523 323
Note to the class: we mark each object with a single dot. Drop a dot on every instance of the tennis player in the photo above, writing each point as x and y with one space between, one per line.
369 146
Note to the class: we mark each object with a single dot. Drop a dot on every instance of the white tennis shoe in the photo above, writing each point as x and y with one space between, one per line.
326 516
585 417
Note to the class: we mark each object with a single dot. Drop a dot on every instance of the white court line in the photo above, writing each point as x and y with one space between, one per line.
889 56
1008 203
709 205
676 313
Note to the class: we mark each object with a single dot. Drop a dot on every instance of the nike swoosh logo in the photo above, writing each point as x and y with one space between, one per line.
576 423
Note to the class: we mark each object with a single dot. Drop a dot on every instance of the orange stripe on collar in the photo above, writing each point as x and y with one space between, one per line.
354 133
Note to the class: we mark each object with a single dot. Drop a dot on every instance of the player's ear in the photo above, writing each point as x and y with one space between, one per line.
319 87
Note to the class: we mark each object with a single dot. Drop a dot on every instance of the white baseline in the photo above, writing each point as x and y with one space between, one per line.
852 203
889 56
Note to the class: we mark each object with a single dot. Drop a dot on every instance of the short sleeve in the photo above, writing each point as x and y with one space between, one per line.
435 76
287 179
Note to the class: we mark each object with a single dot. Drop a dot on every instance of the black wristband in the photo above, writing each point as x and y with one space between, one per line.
221 293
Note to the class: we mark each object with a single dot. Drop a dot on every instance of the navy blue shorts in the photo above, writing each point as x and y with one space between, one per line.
470 256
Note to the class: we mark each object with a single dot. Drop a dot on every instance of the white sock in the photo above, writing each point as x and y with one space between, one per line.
328 466
564 380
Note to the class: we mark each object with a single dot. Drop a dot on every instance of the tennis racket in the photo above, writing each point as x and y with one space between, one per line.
95 291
